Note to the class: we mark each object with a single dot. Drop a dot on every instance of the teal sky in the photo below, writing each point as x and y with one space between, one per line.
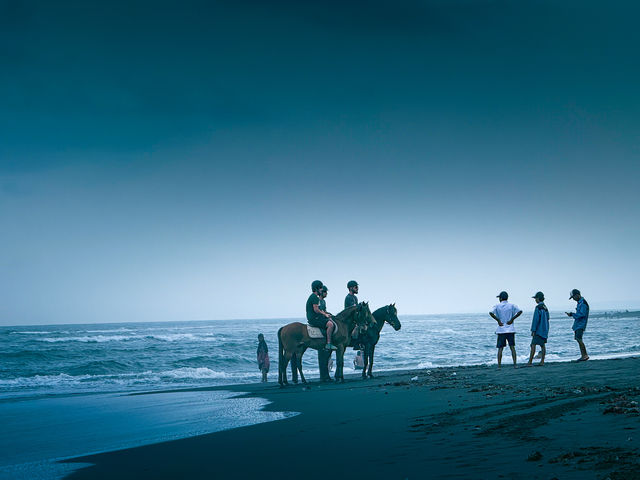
203 160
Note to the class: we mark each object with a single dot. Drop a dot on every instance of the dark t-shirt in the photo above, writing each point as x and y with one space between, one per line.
350 300
323 305
311 301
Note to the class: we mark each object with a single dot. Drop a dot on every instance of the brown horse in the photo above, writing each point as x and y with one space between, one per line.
369 339
293 341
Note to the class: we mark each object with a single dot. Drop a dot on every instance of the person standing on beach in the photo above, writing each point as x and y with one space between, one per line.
263 357
350 300
505 313
539 328
580 318
315 316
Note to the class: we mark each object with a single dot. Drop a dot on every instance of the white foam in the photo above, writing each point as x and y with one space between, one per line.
202 373
88 339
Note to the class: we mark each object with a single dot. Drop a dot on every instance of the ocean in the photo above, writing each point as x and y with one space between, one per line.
71 381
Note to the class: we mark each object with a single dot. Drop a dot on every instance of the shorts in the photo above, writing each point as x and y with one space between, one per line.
319 322
264 369
503 338
578 334
538 340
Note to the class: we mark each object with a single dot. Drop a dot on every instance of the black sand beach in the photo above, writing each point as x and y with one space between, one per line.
563 421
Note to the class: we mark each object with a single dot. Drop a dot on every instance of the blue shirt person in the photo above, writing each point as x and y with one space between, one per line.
580 318
539 328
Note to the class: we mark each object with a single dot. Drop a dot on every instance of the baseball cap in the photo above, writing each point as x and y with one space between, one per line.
575 291
503 295
539 296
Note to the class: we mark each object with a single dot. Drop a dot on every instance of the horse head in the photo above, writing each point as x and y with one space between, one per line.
363 315
392 317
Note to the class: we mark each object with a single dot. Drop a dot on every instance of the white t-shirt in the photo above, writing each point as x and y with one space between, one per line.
505 311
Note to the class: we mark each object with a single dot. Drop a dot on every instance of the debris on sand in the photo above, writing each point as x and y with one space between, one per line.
622 406
534 457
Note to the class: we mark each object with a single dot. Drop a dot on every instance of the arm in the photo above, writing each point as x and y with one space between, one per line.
581 312
496 319
536 321
316 308
514 317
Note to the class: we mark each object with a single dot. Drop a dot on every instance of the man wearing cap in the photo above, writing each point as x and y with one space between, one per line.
539 328
324 291
315 316
505 313
350 300
580 318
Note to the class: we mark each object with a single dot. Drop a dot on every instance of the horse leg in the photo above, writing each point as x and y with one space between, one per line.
294 368
299 364
339 364
365 358
323 365
373 347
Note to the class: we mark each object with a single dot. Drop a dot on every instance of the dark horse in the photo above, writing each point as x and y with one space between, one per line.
370 338
293 340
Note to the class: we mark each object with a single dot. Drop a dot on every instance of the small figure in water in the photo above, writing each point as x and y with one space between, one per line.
505 313
263 357
539 328
580 318
358 361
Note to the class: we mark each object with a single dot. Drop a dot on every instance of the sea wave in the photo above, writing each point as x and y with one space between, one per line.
202 373
89 339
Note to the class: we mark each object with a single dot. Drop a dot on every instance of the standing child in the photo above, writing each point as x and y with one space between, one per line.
263 357
539 328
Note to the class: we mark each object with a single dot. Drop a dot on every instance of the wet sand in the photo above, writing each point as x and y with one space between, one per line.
563 421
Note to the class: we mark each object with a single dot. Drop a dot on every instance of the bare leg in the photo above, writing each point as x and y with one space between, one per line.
543 351
500 357
329 331
513 354
583 350
264 375
532 354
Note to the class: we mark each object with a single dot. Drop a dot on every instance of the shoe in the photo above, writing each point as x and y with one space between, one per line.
330 347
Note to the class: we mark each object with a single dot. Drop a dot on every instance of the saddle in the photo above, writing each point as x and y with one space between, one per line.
317 332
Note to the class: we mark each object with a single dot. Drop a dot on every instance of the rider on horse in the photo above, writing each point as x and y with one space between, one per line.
349 301
315 316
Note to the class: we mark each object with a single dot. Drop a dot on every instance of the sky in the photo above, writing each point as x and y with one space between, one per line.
202 160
